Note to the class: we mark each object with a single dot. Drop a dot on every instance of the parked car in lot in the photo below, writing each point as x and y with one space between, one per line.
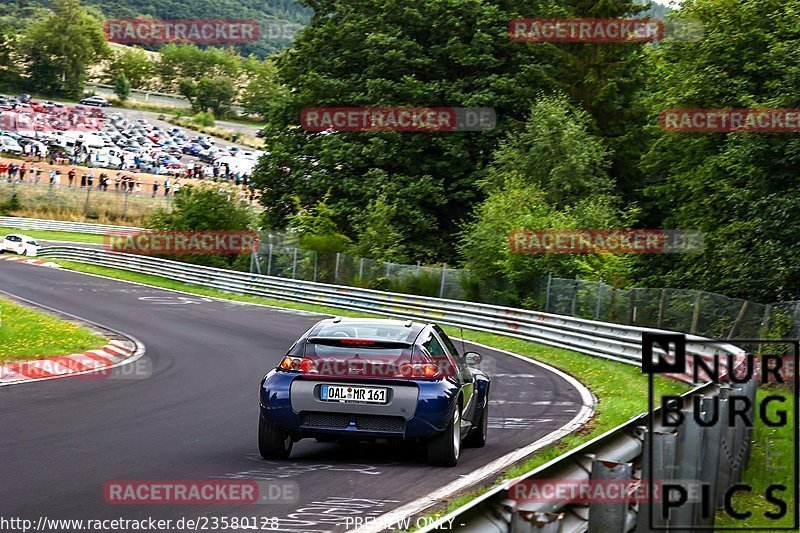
370 379
19 244
9 144
98 101
192 149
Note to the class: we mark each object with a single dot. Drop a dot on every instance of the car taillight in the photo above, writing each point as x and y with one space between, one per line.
297 364
423 370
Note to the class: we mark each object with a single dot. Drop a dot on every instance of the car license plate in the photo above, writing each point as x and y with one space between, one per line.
343 393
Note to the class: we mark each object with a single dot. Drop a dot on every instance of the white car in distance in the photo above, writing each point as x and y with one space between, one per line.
19 244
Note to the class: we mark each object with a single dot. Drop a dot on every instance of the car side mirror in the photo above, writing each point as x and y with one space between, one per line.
473 358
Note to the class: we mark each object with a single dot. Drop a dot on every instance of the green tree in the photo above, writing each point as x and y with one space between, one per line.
215 94
739 189
553 174
187 61
122 87
134 64
9 70
60 47
316 229
377 233
430 53
263 92
206 208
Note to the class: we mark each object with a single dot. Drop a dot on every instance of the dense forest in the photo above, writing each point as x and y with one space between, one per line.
264 11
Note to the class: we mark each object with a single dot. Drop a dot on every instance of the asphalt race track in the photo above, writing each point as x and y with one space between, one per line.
193 416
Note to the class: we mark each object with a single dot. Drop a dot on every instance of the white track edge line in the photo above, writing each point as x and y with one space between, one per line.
585 413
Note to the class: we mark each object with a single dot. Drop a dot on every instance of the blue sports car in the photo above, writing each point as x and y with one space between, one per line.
370 379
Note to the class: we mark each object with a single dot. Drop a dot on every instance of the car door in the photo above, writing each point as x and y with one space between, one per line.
466 377
435 345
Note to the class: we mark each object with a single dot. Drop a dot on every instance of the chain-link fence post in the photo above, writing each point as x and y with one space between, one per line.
361 270
316 257
599 299
336 269
444 276
547 293
294 263
269 259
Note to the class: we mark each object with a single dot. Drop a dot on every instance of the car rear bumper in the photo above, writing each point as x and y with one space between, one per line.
415 410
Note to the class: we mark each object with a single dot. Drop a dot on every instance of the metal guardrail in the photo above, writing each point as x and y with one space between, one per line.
611 456
58 225
713 454
599 339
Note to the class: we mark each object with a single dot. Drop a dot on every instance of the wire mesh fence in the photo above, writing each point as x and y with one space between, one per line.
50 200
696 312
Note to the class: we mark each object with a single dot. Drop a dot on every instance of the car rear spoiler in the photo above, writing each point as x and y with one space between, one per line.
351 342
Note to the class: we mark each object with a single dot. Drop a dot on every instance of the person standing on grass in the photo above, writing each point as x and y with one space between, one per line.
83 181
52 176
166 187
90 179
71 177
58 179
3 170
22 170
155 188
116 183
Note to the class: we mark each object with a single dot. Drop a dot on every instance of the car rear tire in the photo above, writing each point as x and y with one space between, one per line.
443 449
24 252
273 443
477 437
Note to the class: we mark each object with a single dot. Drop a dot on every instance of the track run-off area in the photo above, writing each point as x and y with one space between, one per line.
188 410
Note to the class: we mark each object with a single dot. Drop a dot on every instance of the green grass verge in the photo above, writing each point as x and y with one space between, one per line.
45 235
771 462
621 389
26 334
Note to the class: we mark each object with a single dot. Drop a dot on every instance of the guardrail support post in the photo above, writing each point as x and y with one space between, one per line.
609 517
663 462
689 455
709 465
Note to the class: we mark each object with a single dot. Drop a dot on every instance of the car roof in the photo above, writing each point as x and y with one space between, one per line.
415 327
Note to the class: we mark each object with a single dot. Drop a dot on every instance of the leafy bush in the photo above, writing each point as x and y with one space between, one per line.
204 118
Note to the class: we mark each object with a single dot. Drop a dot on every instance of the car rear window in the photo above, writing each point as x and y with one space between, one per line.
372 341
